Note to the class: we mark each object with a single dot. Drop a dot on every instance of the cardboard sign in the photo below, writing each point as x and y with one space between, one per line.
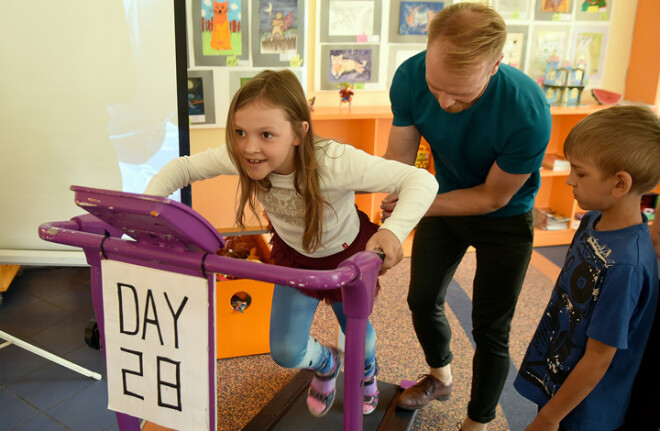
157 345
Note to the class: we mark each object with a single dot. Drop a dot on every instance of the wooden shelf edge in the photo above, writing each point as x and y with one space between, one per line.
384 111
576 110
356 113
547 238
549 173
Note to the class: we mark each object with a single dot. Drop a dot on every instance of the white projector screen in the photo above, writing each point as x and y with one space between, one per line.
89 97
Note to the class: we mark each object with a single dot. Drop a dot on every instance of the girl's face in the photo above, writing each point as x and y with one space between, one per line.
591 189
265 140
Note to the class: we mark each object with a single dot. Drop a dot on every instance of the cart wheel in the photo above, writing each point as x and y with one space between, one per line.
92 336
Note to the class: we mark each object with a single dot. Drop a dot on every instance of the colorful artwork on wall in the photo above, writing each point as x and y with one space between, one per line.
415 16
220 32
354 64
278 32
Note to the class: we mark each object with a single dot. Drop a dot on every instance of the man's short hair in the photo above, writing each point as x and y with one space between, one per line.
475 33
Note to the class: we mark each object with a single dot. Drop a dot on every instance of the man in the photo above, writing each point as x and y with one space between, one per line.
643 413
488 125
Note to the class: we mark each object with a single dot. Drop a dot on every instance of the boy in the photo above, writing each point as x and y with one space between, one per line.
581 363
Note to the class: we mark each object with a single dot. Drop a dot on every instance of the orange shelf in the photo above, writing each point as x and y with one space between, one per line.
549 173
367 128
546 238
575 110
355 113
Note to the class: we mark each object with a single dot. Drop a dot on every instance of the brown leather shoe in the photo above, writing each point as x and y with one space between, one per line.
423 392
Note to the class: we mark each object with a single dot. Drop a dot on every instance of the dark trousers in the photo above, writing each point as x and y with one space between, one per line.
503 248
644 410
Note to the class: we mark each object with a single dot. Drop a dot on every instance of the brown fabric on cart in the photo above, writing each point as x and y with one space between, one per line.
284 255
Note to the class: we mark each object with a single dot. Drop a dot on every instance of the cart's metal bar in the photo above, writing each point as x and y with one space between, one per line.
51 357
118 249
352 276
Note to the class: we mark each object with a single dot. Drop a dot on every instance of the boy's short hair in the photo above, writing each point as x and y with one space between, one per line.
620 138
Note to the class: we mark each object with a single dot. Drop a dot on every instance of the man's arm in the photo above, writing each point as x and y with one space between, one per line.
589 370
493 194
403 144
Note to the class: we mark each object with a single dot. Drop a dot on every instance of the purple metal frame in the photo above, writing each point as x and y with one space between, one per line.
170 236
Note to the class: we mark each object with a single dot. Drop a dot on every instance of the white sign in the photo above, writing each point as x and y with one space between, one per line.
157 345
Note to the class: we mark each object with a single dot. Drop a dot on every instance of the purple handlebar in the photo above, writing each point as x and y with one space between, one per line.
168 235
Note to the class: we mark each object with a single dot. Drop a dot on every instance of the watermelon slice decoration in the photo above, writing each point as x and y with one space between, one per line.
605 97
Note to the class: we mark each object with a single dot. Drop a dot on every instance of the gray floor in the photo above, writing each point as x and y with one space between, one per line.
50 308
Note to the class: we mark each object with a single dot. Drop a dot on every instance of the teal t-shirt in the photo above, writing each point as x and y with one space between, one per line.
509 124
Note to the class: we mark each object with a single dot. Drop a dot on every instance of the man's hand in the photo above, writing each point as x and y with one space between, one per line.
387 206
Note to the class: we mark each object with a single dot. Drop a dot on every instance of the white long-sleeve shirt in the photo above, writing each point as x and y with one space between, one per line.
343 170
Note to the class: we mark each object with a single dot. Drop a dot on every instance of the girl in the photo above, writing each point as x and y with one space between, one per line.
306 186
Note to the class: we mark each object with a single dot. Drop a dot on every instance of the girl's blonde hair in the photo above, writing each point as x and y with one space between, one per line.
281 89
475 33
620 138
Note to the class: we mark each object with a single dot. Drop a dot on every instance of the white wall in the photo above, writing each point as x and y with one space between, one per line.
88 97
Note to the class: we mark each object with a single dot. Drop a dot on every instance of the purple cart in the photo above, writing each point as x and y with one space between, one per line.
167 235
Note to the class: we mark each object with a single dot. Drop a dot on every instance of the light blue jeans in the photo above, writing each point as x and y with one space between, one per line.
291 344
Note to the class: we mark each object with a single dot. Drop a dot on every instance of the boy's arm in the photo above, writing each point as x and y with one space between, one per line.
580 382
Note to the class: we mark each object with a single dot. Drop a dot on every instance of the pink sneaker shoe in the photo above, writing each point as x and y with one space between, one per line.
321 393
370 393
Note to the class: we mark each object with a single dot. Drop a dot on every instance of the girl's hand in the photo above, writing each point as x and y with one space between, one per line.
387 206
384 240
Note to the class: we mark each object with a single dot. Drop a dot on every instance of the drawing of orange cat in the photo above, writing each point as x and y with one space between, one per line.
221 37
341 65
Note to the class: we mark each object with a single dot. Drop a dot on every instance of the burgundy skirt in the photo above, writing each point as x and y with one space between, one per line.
283 255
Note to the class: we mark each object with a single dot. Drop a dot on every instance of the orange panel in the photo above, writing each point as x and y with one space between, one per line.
543 195
356 132
247 332
561 126
561 199
365 203
656 189
215 199
545 238
382 130
643 78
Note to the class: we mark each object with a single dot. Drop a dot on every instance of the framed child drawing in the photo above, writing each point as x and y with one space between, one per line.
201 103
409 19
545 42
515 46
553 10
357 64
346 21
220 32
593 10
513 9
278 34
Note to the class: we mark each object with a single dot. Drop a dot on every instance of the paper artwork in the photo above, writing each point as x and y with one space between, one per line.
278 28
350 18
415 16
